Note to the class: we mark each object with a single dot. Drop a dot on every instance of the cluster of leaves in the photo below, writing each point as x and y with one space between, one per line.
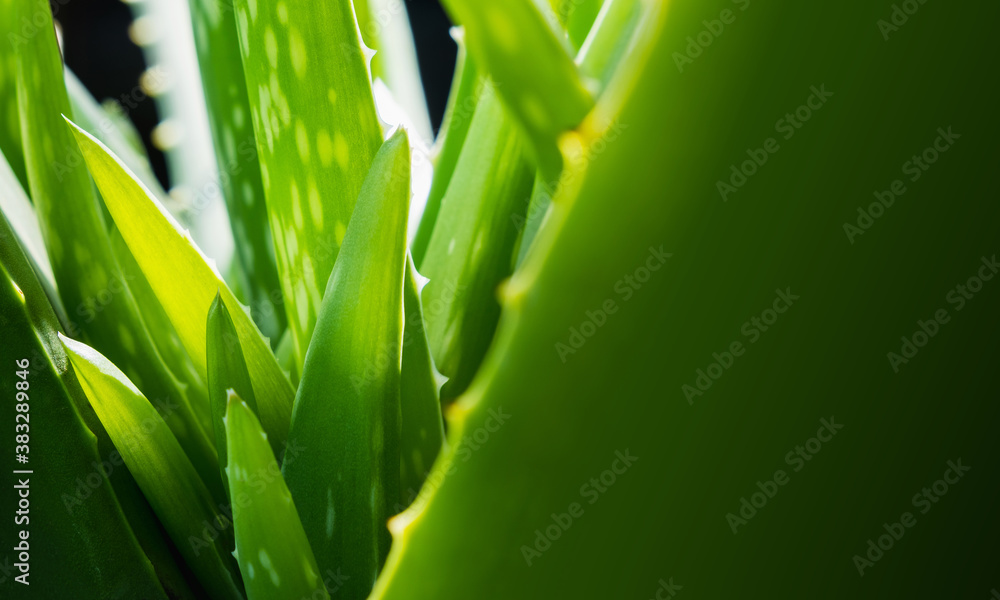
269 467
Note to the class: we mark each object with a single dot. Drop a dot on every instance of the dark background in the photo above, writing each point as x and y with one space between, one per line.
98 49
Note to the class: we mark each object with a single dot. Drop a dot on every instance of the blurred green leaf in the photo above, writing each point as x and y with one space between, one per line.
186 284
226 371
317 131
236 154
271 546
10 127
347 407
520 44
160 467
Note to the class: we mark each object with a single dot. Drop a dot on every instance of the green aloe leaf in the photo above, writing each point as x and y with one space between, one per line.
470 252
236 154
160 467
186 284
271 546
227 370
518 43
466 87
88 546
317 130
347 406
138 514
422 428
90 281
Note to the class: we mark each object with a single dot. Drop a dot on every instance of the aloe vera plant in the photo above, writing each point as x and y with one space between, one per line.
375 401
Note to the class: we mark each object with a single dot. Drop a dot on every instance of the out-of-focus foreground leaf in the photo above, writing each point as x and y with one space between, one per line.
86 545
271 546
186 284
519 44
347 407
160 467
316 128
236 154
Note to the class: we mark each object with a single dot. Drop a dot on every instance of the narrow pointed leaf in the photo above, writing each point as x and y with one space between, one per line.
271 546
422 428
187 283
236 155
465 91
227 370
160 467
347 407
470 252
317 130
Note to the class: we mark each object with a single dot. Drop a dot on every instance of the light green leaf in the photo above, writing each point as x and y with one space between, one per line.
227 370
271 546
422 428
160 467
10 127
470 252
347 406
519 43
236 155
316 128
186 284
